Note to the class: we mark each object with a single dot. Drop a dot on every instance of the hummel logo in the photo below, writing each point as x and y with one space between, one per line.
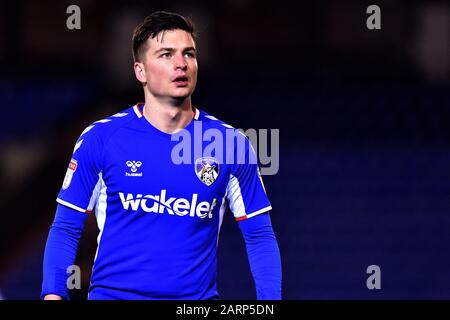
134 165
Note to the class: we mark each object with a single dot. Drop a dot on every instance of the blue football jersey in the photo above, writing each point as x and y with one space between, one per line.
159 201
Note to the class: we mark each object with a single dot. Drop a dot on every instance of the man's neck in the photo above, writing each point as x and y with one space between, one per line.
168 116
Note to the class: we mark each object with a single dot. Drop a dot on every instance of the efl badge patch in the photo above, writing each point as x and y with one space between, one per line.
69 174
207 170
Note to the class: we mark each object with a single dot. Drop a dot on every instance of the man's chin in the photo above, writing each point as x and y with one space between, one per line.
182 94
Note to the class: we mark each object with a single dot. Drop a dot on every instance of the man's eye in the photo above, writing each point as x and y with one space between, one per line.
190 54
165 55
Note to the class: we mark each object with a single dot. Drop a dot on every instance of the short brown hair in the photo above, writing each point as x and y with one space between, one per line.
152 25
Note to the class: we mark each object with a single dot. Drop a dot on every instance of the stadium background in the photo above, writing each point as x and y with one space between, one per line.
363 118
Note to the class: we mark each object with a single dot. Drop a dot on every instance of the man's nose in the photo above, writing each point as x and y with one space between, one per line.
180 62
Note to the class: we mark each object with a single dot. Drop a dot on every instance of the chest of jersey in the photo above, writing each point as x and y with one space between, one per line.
143 173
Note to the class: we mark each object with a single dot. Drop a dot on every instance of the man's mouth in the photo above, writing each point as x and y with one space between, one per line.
181 81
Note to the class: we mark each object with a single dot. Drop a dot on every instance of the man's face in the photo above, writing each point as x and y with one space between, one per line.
170 65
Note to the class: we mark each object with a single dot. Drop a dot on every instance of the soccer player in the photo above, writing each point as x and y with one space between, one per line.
159 206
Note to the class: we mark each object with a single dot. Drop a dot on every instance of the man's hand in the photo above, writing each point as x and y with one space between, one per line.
52 297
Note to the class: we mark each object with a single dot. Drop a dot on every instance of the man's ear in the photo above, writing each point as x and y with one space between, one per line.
139 71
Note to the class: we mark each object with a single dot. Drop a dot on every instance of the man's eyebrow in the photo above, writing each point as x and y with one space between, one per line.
172 49
164 49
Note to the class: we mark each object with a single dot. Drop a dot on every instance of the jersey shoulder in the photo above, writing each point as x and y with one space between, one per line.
102 129
236 142
209 121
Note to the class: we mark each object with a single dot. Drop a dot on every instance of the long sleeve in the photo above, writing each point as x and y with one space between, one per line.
264 256
61 250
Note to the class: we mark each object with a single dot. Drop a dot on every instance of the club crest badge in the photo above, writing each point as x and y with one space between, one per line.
207 170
